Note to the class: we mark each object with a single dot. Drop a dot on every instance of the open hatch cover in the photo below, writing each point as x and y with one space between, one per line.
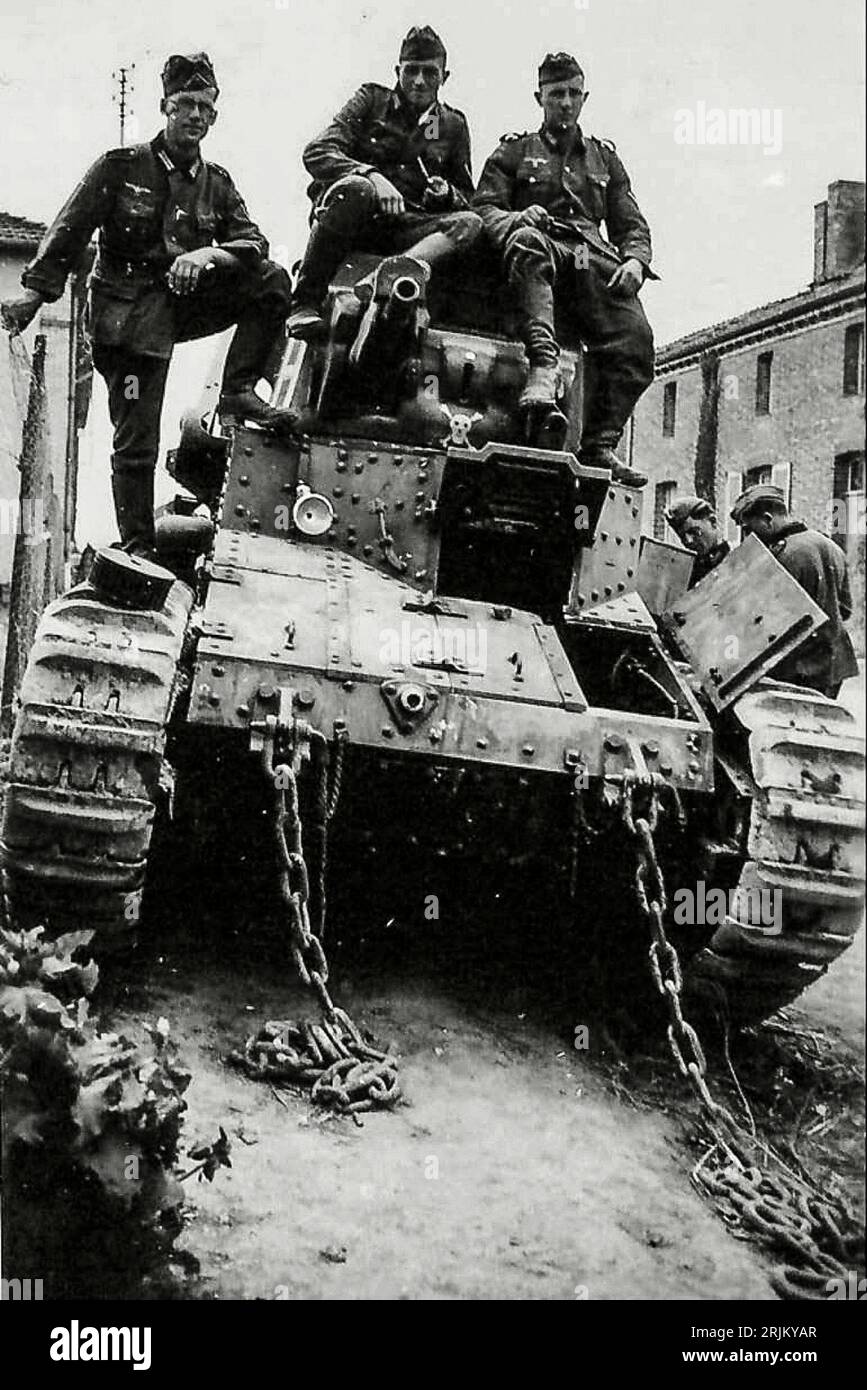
740 621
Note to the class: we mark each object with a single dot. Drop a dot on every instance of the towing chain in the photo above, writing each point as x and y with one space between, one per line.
343 1069
783 1210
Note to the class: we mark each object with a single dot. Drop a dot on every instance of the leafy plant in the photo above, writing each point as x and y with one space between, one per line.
92 1124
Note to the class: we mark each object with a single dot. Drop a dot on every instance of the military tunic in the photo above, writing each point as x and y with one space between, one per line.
377 131
827 658
581 186
148 211
703 564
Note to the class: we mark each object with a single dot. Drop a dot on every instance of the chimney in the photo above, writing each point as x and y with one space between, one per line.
838 230
820 240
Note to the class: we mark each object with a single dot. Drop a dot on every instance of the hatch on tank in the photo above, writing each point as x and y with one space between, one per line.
740 621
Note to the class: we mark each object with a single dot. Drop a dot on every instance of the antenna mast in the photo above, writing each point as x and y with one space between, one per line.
123 78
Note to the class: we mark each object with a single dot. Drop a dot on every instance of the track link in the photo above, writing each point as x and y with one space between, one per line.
806 840
86 762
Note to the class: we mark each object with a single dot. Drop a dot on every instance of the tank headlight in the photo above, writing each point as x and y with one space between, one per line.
312 513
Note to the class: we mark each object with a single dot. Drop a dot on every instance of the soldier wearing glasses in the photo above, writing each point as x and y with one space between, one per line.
179 258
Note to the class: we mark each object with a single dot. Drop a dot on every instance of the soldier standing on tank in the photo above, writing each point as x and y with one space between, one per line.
827 657
542 197
179 258
695 523
390 174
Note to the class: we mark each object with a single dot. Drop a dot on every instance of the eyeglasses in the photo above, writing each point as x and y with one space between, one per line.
188 105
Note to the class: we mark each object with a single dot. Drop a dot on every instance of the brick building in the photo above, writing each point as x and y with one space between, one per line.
775 394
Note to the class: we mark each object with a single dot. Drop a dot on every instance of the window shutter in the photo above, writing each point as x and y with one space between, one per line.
734 488
781 477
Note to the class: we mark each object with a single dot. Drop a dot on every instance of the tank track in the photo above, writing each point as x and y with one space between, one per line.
86 762
805 839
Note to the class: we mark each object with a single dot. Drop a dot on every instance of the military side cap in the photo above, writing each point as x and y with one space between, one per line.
685 507
422 43
187 72
754 497
558 67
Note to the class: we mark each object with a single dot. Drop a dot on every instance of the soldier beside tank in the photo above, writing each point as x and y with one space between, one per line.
179 258
695 523
827 658
542 197
391 174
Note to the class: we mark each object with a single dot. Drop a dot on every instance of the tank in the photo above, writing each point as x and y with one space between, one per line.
490 689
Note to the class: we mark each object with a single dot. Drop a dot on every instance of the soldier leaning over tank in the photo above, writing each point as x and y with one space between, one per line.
179 258
390 174
542 197
695 523
827 658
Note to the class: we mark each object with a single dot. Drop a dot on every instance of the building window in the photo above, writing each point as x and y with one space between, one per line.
853 360
663 496
761 474
847 504
669 408
763 383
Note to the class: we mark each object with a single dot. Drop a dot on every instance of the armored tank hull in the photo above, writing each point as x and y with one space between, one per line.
449 627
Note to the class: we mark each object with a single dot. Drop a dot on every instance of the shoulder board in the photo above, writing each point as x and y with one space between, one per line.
609 144
218 169
513 135
124 152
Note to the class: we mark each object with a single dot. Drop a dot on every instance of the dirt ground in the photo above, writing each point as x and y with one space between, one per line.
512 1170
509 1174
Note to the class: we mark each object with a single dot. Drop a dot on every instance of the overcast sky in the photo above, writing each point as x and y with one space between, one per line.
732 225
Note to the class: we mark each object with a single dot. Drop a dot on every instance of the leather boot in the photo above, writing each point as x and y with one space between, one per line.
603 456
541 387
133 492
321 259
245 407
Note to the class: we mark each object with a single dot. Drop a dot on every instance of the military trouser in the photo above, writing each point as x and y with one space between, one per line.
613 328
258 302
347 218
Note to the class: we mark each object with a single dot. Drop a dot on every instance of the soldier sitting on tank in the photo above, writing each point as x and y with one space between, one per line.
391 174
542 197
695 523
827 657
179 258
